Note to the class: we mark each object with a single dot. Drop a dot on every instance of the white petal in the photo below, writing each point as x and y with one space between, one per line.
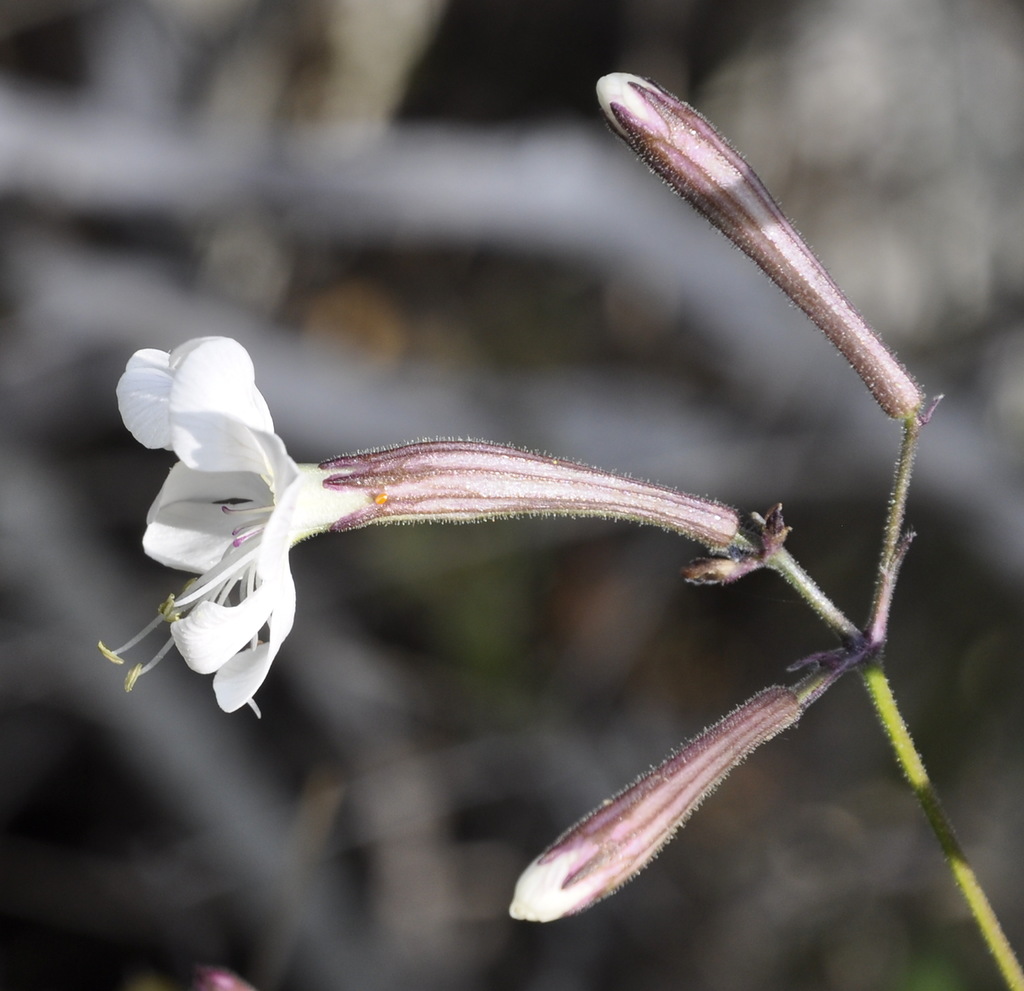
278 533
283 617
210 441
188 528
215 374
541 893
181 547
617 87
211 634
143 393
203 376
237 681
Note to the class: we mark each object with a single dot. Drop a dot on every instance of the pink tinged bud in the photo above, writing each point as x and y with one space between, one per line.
466 481
619 838
218 979
679 145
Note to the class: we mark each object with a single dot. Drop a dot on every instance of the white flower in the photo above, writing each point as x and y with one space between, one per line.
230 511
234 505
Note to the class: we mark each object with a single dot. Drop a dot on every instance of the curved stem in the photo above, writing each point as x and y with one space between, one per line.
913 769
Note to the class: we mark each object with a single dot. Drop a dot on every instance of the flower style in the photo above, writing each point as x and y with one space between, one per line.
230 510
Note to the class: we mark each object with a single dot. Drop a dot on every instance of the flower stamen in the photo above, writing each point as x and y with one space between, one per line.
222 577
225 508
140 669
166 613
247 530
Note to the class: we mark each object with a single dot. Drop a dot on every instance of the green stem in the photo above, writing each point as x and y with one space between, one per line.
913 768
893 538
894 544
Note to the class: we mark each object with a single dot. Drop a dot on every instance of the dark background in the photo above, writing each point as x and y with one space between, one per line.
411 214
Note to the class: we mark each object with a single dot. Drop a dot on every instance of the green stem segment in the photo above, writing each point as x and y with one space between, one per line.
913 769
894 544
894 539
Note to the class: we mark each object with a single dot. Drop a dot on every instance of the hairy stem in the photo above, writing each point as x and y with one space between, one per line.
894 540
913 769
894 546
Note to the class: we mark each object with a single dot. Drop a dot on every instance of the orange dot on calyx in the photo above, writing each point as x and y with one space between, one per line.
380 498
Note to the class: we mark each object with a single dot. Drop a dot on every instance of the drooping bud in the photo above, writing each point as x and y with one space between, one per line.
618 839
464 481
684 149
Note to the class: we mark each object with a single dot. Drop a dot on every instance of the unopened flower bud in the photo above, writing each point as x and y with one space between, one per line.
618 839
719 570
684 149
464 481
218 979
